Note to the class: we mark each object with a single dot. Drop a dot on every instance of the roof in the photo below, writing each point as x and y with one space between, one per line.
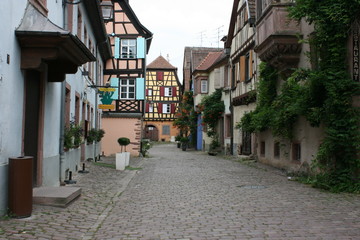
234 14
134 20
160 63
208 61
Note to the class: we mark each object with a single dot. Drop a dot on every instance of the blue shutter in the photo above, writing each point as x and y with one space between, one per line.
117 48
114 82
140 47
140 88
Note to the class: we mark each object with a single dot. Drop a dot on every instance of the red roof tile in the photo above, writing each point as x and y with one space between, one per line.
208 61
160 63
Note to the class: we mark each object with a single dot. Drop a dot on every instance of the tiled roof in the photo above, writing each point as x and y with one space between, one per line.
160 63
208 61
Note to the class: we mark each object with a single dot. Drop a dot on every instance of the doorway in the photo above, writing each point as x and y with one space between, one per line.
152 133
33 122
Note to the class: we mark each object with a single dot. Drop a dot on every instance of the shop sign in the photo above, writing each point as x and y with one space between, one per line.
105 95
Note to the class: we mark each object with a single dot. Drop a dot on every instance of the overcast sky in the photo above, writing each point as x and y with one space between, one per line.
179 23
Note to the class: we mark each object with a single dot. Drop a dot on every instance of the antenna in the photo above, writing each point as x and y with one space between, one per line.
219 31
202 36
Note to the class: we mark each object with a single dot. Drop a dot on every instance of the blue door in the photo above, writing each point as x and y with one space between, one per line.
199 133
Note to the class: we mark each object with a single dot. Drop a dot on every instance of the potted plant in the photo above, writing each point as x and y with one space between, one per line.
145 146
122 158
177 140
92 135
99 135
214 147
184 143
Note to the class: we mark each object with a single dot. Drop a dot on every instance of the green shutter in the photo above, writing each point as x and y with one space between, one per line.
114 83
140 88
117 48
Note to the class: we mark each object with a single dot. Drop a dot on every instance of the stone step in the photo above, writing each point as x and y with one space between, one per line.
55 196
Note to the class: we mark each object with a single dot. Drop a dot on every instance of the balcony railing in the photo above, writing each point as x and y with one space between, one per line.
129 106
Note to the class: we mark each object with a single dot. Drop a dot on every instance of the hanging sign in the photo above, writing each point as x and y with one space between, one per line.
106 98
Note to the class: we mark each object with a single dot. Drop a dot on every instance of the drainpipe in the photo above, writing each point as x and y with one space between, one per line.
96 95
144 106
62 114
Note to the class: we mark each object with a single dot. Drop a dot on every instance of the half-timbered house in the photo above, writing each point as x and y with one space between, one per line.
125 74
162 100
243 63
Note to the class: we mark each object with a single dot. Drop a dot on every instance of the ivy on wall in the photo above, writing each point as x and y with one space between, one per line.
324 95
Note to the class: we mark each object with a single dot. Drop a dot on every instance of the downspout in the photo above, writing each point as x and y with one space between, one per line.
96 97
62 114
144 106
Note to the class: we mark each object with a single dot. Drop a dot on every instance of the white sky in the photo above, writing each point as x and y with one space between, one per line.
179 23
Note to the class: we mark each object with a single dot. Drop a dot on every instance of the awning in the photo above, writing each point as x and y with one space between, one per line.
45 45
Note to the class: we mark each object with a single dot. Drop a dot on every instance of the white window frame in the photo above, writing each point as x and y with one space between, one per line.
203 86
168 92
166 108
150 91
128 86
128 48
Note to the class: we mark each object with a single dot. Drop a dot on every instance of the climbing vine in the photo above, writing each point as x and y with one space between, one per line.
186 116
323 94
212 109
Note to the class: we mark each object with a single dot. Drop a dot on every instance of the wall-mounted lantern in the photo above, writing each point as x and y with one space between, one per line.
107 10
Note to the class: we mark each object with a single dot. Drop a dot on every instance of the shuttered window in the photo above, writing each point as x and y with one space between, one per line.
159 76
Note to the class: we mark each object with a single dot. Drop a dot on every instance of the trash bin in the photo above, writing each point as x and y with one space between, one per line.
20 186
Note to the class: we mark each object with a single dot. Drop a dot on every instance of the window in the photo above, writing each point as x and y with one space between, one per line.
149 92
247 67
67 106
204 86
77 108
128 48
262 148
79 25
151 108
159 76
166 130
296 152
127 88
233 76
228 126
168 92
166 108
276 149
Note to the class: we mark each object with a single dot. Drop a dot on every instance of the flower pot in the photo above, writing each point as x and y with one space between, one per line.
178 144
184 146
120 161
127 158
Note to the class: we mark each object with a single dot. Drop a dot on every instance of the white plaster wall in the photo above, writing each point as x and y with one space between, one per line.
11 91
52 116
239 112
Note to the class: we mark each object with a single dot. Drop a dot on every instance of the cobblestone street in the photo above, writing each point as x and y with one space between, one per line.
190 195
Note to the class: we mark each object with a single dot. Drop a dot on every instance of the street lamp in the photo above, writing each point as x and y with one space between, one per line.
107 10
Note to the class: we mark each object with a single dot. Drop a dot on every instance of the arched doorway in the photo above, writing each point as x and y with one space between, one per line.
151 132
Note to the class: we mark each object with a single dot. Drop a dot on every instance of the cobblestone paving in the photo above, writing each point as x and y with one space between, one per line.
192 196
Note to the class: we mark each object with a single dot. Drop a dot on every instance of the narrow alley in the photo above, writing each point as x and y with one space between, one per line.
190 195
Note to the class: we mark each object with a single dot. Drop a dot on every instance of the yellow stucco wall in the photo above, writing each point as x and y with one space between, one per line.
173 131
